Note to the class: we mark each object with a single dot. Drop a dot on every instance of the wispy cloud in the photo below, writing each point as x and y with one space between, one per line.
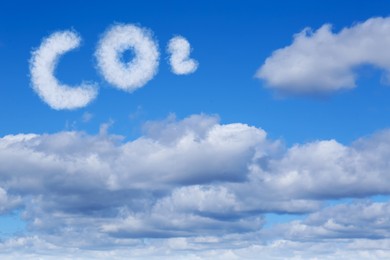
42 65
133 74
324 62
86 117
180 60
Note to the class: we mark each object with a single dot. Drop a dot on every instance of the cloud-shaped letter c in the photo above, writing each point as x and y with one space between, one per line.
42 65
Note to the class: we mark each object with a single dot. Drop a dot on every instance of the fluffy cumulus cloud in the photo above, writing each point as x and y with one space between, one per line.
323 61
360 219
180 60
191 189
132 74
42 65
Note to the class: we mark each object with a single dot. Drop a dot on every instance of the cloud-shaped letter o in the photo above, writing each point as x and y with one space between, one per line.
42 65
135 73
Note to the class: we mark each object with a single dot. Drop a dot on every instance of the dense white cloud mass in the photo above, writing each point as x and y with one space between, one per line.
193 188
133 74
42 65
322 61
180 60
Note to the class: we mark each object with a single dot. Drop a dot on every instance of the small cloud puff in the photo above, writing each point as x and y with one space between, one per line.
86 117
181 63
324 62
42 65
133 74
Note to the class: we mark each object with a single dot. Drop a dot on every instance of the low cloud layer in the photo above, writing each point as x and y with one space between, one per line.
193 186
180 60
42 66
357 220
323 61
132 74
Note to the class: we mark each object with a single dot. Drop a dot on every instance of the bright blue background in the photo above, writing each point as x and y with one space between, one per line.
231 39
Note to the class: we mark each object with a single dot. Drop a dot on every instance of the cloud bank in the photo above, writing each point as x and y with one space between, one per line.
193 188
133 74
42 65
324 62
180 60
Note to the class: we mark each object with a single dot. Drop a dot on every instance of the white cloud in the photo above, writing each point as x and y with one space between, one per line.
8 203
133 74
180 60
323 61
42 65
193 186
203 247
356 220
328 169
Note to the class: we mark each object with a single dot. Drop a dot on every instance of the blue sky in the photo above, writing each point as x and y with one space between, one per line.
274 142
